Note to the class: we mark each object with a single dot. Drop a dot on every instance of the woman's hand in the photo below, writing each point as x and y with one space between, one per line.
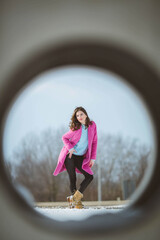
71 151
91 163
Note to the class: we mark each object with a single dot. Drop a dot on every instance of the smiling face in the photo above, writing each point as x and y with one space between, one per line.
81 117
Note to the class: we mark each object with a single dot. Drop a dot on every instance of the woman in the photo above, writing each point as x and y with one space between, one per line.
78 154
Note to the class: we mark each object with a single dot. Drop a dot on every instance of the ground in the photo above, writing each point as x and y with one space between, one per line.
65 213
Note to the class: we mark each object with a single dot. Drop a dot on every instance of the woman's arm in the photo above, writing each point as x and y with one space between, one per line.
94 145
65 139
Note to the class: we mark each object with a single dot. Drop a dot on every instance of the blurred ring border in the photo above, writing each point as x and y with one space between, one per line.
137 73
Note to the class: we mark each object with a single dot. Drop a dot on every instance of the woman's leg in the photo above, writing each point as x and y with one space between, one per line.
70 166
88 177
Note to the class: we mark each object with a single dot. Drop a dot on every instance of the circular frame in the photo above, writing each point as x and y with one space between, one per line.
141 77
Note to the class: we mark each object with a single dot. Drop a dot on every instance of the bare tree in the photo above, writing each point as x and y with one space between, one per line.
34 161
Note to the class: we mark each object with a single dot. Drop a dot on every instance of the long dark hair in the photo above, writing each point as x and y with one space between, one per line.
75 124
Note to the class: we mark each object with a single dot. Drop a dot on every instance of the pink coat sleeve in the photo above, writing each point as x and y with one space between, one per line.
94 144
65 139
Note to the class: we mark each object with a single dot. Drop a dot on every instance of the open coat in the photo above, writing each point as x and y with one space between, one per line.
70 139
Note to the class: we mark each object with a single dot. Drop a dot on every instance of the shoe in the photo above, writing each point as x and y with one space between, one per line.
77 199
79 205
71 200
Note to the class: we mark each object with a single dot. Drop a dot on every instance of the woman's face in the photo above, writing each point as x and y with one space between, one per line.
81 117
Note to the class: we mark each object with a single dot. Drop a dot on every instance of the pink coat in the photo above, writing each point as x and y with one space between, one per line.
70 139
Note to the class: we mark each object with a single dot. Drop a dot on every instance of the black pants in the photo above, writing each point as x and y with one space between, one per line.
76 162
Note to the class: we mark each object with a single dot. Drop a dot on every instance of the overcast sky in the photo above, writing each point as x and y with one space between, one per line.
51 98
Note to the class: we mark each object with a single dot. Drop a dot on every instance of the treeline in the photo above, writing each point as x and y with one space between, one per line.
33 162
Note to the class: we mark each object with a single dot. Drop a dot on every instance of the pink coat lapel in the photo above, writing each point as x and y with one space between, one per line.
78 133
